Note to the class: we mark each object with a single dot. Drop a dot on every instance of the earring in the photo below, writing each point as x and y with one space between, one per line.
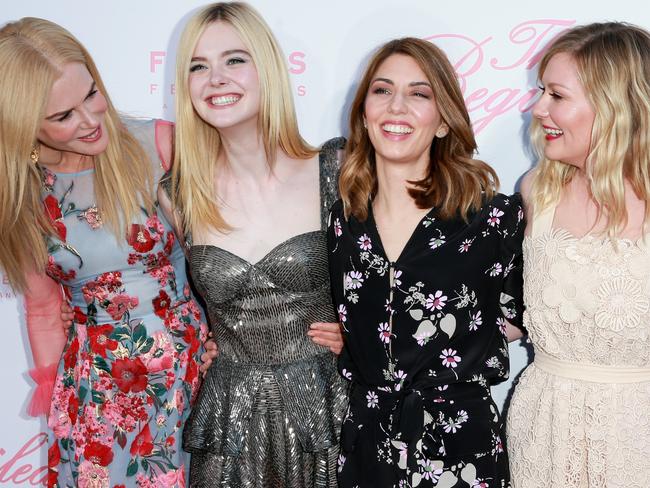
34 155
365 123
442 131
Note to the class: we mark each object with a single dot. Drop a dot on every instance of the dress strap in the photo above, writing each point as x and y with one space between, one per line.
542 221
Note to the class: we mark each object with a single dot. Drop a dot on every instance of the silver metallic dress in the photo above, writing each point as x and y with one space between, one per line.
270 409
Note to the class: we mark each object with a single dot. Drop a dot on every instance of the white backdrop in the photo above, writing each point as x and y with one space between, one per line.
494 46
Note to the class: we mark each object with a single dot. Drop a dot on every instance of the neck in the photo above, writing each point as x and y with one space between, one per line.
63 161
393 184
244 154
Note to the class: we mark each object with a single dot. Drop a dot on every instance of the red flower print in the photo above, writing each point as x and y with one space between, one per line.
120 305
79 316
171 238
53 460
70 356
55 271
130 375
98 453
142 444
170 440
140 239
99 339
161 304
53 211
73 407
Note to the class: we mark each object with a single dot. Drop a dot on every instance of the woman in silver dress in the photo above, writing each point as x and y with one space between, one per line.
251 198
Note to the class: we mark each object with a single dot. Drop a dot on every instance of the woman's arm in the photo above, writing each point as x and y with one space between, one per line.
47 337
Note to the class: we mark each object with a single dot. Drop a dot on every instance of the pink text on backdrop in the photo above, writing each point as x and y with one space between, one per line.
529 38
16 470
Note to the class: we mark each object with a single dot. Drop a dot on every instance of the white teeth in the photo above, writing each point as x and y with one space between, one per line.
226 100
553 132
397 129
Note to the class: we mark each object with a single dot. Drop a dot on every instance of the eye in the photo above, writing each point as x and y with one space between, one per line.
91 94
197 67
380 90
232 61
422 95
65 116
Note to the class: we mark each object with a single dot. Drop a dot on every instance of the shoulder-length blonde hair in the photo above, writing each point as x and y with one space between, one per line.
455 183
613 63
33 53
198 144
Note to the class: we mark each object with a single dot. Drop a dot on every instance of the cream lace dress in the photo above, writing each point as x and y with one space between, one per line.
580 415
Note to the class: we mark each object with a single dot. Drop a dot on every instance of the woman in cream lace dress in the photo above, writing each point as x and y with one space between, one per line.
580 416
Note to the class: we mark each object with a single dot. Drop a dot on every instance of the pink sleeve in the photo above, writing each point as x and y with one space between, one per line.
164 134
47 337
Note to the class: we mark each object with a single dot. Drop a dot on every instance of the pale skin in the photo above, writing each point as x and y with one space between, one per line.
264 204
564 106
400 99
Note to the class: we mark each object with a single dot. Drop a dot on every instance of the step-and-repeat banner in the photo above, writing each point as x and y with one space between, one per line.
495 47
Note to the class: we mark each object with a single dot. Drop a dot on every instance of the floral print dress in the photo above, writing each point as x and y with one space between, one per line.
129 370
424 340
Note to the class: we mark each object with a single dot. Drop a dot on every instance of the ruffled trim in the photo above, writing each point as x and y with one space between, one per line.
44 377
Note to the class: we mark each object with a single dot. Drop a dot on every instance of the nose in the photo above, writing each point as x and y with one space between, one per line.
540 109
397 104
218 77
89 117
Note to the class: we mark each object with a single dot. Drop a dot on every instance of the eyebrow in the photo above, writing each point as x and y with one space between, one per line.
413 83
63 112
225 53
552 84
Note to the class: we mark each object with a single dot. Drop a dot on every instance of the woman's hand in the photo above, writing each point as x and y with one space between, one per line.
211 352
327 334
67 316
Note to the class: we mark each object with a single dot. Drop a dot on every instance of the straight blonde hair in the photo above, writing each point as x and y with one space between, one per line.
455 182
33 53
613 62
198 144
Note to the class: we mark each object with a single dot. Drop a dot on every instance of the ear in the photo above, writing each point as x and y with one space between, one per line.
442 131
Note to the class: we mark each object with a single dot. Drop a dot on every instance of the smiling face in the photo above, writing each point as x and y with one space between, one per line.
401 112
74 114
565 113
223 81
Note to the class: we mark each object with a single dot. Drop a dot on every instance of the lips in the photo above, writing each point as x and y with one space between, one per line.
93 136
397 128
552 133
223 100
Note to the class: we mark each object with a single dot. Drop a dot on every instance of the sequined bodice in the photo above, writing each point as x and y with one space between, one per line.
261 312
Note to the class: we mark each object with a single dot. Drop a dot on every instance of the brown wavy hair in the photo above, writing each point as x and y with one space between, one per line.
455 182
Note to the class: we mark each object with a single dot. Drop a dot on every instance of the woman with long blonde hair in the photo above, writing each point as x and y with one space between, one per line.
580 415
425 263
251 197
78 213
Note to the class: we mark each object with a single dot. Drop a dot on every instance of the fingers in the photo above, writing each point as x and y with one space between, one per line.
211 352
327 335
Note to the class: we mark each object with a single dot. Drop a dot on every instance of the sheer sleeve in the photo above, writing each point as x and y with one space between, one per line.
47 337
512 300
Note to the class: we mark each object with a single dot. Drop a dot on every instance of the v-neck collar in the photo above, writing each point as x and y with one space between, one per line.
371 224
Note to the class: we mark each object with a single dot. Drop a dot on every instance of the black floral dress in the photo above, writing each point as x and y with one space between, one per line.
425 339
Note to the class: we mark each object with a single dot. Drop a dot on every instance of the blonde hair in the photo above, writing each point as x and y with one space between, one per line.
455 183
613 63
198 144
32 54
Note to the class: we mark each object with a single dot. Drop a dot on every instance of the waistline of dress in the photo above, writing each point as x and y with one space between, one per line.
590 372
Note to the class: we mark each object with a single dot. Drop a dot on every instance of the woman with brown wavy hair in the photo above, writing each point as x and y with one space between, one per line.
425 264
